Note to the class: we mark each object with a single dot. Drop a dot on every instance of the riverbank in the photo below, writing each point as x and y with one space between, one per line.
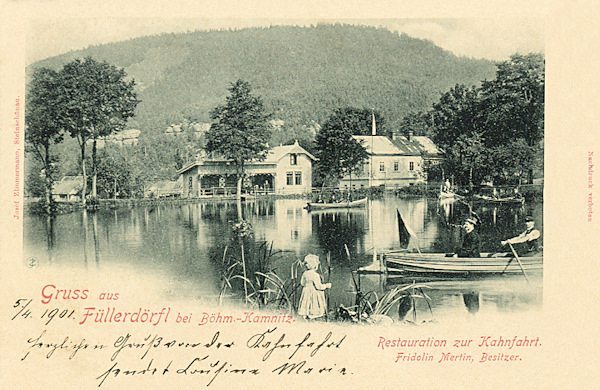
37 206
531 192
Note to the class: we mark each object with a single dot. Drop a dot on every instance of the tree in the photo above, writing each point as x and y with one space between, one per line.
359 121
467 159
35 181
95 100
337 152
512 105
495 131
42 128
240 131
114 175
454 116
417 123
511 161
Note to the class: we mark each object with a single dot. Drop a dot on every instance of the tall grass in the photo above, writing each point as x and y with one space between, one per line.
370 306
253 266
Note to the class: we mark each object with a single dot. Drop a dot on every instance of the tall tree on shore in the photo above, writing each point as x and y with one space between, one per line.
493 132
337 152
240 131
42 127
454 115
96 101
512 105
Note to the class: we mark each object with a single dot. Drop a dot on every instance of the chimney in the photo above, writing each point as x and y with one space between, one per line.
410 135
394 135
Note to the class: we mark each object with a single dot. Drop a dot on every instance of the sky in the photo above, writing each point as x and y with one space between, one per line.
493 39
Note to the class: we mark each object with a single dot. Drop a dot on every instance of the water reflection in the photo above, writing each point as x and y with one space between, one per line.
335 230
186 242
471 301
50 236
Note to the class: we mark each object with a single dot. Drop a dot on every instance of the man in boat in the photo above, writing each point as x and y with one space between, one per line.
447 186
471 243
526 243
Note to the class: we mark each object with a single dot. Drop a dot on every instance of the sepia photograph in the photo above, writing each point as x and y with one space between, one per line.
341 171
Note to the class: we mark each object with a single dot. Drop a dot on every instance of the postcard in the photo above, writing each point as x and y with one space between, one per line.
275 195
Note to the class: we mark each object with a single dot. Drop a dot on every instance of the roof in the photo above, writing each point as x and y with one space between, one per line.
382 145
426 145
278 152
68 185
166 186
274 155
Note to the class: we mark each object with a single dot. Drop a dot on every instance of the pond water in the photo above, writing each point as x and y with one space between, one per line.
185 244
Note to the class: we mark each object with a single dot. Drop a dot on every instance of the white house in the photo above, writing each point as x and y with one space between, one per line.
390 164
286 169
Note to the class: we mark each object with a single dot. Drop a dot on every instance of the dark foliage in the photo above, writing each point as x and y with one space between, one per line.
493 132
302 73
337 152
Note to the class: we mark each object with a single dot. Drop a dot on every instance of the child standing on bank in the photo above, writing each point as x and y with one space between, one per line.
312 301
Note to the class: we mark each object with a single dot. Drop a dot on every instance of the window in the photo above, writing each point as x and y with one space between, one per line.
191 183
382 167
411 166
293 159
396 166
298 178
290 178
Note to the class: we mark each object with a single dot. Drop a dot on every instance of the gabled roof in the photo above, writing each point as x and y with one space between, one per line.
274 155
278 152
69 185
408 146
426 145
382 145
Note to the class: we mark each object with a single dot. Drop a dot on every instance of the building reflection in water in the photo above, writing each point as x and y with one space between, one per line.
186 242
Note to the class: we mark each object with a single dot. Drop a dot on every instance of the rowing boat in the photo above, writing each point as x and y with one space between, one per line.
337 205
449 195
492 199
439 263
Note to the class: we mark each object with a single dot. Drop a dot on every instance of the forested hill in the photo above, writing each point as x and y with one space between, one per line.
302 73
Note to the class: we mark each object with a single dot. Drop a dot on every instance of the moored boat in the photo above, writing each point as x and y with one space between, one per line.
439 263
449 195
338 205
493 199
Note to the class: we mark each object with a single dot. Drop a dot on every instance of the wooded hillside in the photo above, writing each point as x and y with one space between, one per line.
302 73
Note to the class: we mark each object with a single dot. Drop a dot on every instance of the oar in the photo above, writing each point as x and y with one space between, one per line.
507 264
518 260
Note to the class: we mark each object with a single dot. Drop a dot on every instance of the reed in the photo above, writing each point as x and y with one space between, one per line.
369 305
253 266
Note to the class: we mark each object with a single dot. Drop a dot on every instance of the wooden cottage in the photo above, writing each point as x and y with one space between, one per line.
68 189
285 170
